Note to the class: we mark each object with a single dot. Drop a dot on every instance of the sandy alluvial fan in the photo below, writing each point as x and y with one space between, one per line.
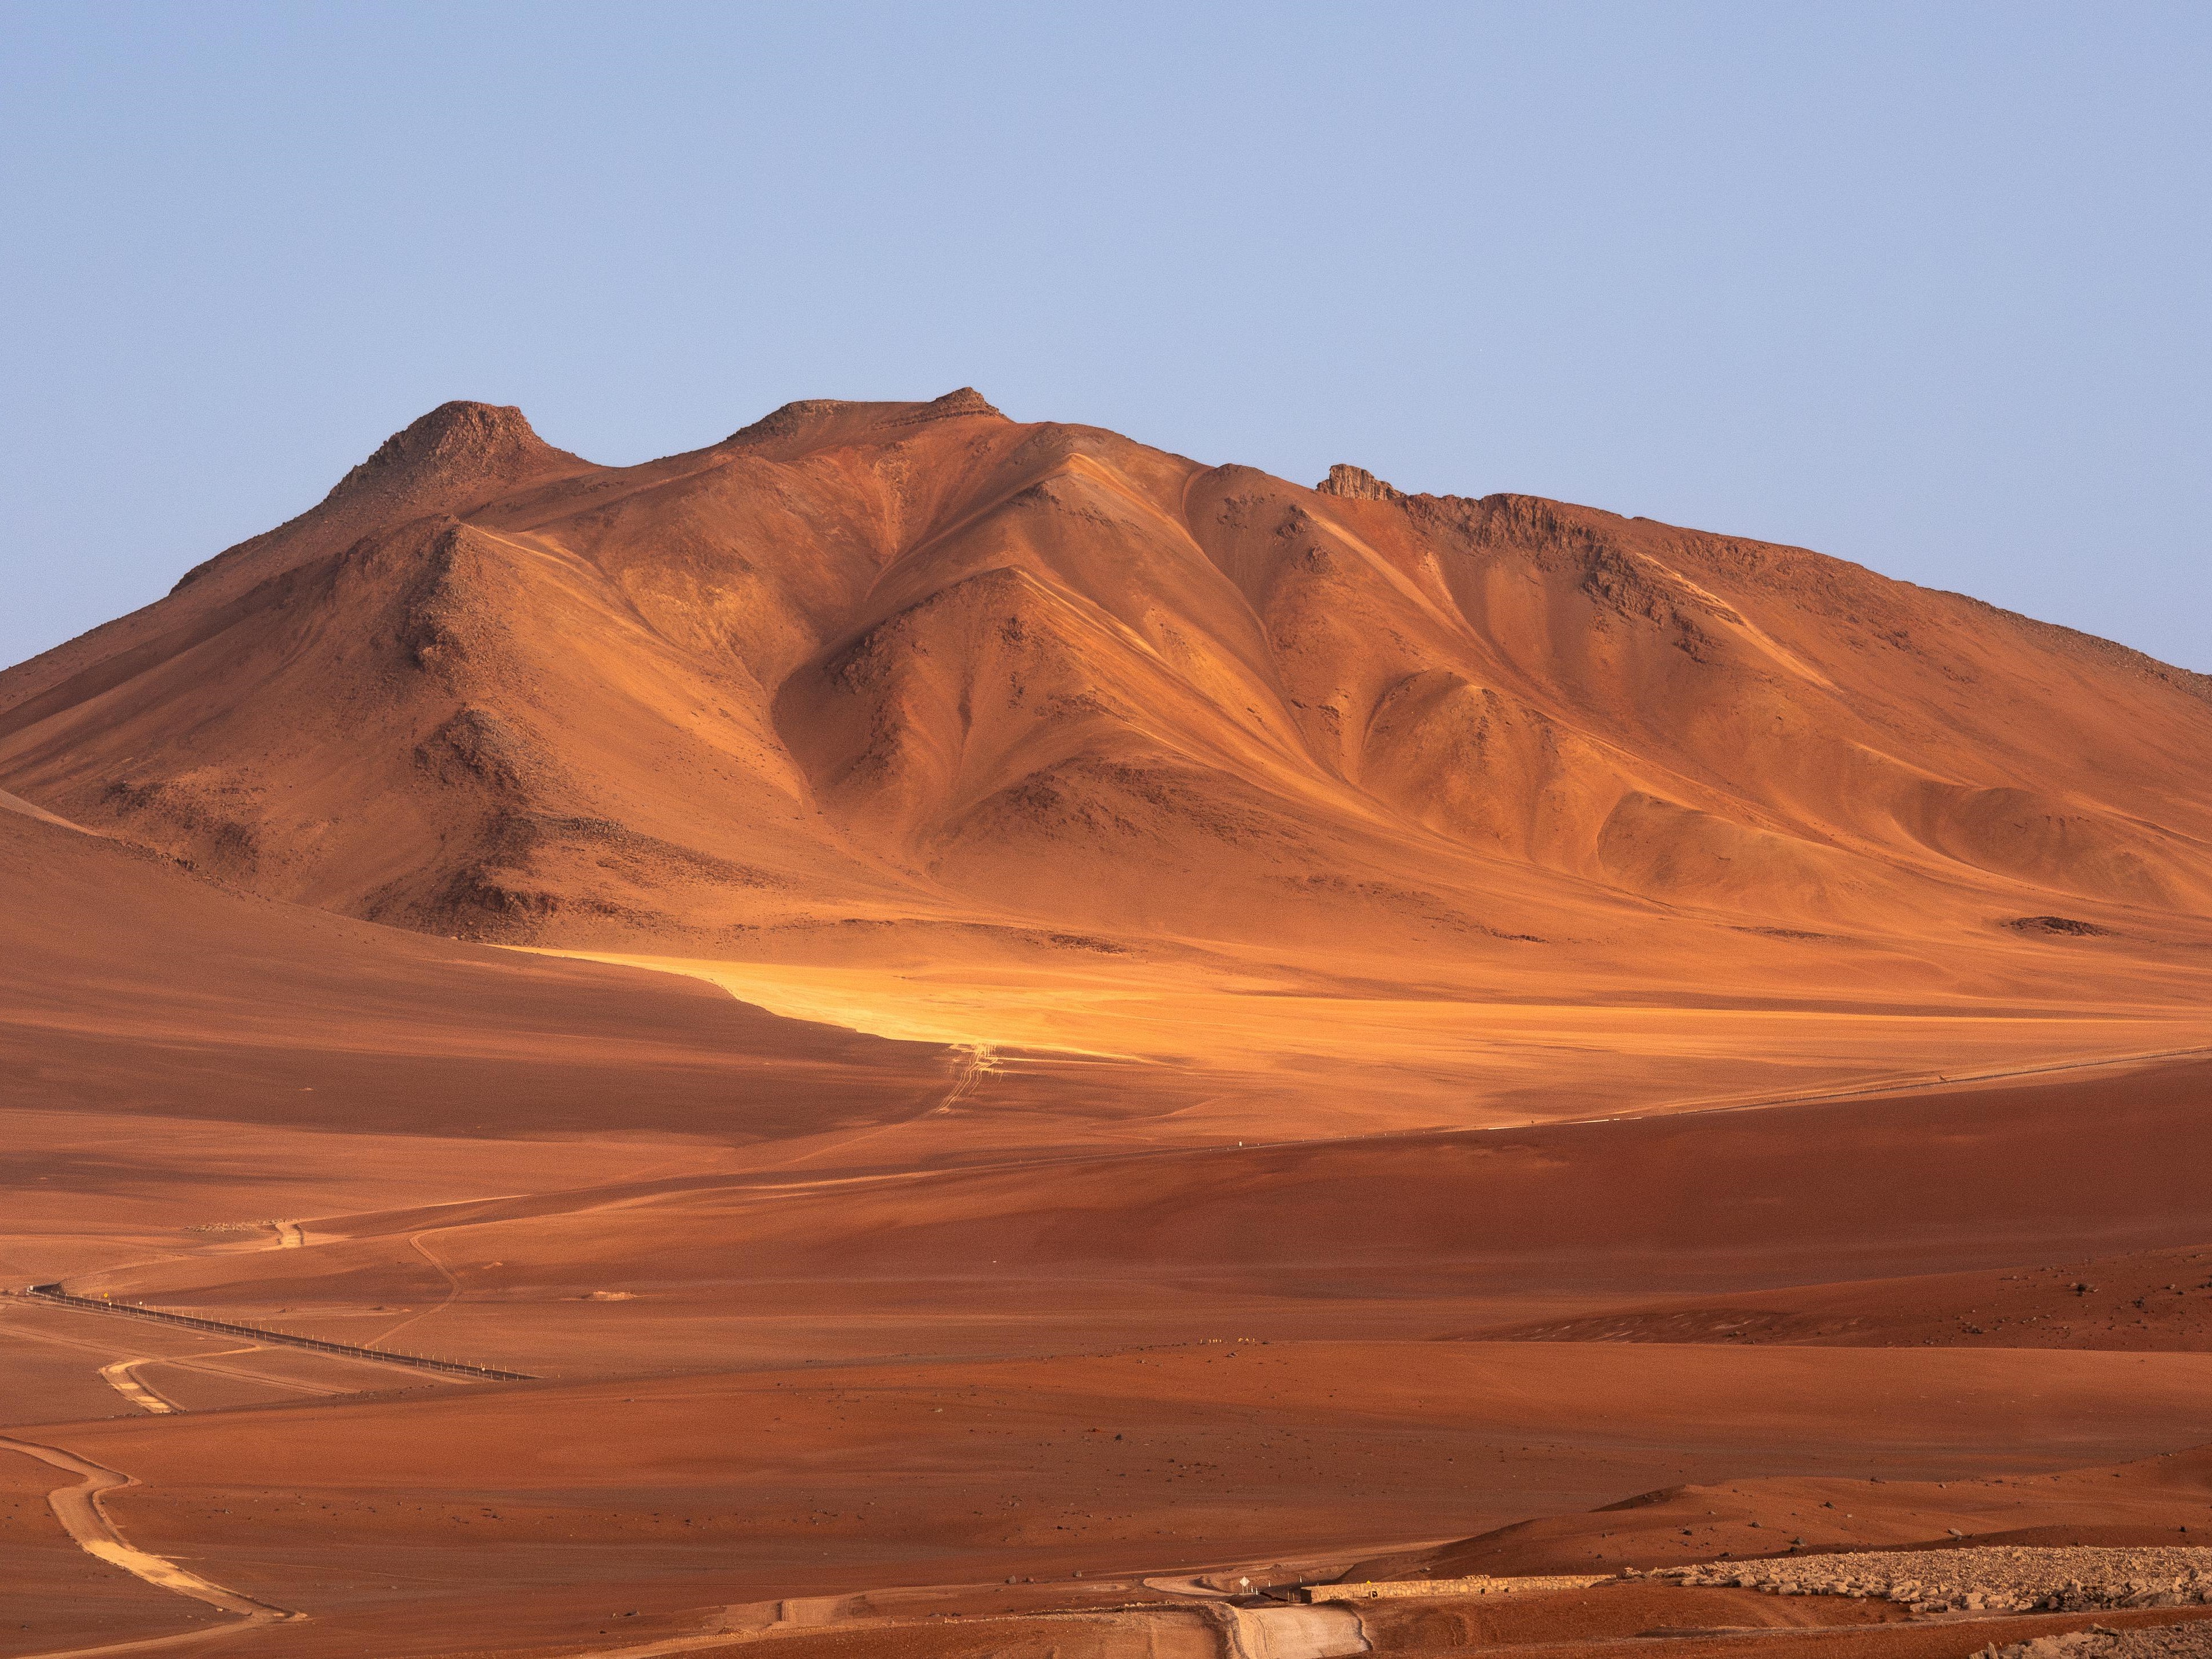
974 1038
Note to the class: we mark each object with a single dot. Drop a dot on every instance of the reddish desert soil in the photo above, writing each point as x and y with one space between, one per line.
975 1001
2149 1300
742 1487
2161 1500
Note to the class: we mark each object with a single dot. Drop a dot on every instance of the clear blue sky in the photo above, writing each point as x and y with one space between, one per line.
1921 285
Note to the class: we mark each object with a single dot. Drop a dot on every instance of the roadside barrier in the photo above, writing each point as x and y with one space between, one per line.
54 1293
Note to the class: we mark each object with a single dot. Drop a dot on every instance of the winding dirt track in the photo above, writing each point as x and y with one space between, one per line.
79 1509
453 1286
140 1393
121 1376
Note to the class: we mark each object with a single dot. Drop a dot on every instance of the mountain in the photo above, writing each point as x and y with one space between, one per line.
1267 997
1038 684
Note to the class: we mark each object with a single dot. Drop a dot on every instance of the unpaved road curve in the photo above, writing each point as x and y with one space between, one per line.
135 1388
1289 1631
78 1509
125 1378
122 1376
453 1286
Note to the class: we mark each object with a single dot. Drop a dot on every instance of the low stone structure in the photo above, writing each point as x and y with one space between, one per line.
1400 1588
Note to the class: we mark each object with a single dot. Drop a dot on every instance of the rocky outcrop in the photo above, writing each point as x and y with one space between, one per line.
1357 484
2189 1641
455 440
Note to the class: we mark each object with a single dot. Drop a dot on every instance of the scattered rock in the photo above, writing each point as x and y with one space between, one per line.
2007 1579
2067 926
2189 1641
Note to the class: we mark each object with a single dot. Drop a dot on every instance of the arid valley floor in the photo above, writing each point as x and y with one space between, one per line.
1001 1030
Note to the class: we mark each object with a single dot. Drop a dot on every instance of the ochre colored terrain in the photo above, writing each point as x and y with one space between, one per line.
1003 1023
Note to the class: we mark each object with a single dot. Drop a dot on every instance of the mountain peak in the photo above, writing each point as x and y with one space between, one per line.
459 454
456 442
786 419
965 401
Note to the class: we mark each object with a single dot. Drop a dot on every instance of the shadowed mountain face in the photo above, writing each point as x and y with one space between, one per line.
862 663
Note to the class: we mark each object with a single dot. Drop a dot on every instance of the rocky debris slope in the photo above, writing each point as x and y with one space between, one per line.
2191 1641
1996 1580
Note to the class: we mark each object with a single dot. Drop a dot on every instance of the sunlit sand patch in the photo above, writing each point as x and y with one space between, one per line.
1635 1058
1058 1012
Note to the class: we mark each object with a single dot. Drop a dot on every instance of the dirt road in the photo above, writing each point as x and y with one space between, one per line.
79 1510
1276 1631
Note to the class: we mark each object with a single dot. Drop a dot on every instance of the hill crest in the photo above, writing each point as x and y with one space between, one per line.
920 665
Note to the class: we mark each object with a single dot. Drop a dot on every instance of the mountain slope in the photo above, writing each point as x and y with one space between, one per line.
135 988
863 663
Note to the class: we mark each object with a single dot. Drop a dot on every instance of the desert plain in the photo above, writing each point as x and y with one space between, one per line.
963 1037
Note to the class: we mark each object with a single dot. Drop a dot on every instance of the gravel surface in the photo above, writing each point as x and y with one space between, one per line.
2192 1641
2003 1580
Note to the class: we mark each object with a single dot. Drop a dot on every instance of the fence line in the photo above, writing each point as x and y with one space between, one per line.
54 1293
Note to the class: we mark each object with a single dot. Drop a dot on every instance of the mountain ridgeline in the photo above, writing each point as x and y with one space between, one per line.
867 665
